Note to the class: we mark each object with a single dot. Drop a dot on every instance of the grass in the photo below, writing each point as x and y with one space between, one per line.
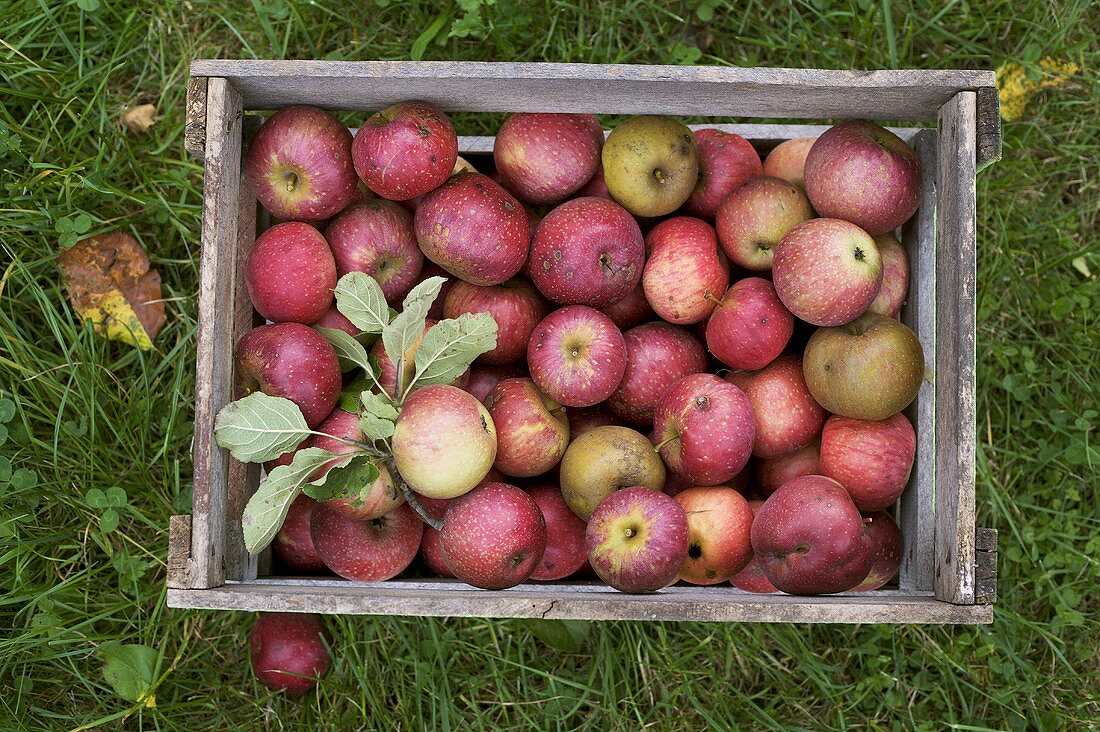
93 414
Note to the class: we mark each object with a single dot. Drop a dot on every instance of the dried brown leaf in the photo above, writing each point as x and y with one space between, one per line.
139 119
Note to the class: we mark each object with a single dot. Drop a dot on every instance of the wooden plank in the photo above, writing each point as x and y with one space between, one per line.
194 130
763 136
955 303
916 511
600 88
989 127
214 348
243 478
455 599
179 551
985 566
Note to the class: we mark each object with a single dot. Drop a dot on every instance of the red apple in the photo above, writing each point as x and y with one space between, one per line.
726 161
872 460
719 520
367 550
293 361
703 428
752 578
774 472
493 537
564 553
637 540
788 160
299 164
532 429
444 441
587 251
577 356
871 368
336 320
756 217
293 546
895 277
596 186
405 150
588 418
431 546
827 271
685 274
474 229
860 172
544 157
810 538
632 310
290 273
288 651
657 355
886 543
377 238
750 327
483 378
786 415
383 496
515 306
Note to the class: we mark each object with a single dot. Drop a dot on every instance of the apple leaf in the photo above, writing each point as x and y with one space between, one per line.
359 298
376 416
350 479
349 396
260 427
349 351
266 509
451 346
131 670
409 324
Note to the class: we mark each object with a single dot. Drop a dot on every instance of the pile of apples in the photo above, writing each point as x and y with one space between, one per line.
652 410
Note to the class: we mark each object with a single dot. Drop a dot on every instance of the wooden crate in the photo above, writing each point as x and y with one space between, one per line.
948 568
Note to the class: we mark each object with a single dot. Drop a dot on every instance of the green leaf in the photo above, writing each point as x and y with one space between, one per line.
24 479
260 427
451 346
349 396
108 522
116 496
359 298
567 636
349 351
96 498
266 510
409 324
5 469
376 416
131 670
379 405
420 45
7 410
351 479
3 433
376 428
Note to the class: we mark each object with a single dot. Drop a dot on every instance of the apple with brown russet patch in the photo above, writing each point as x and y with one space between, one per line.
650 164
604 460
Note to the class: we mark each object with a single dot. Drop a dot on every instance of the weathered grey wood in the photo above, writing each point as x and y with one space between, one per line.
194 130
916 511
243 478
611 88
214 347
179 551
764 136
955 302
985 566
455 599
988 127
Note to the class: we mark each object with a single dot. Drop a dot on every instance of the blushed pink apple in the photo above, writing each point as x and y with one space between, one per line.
704 429
756 217
587 251
657 355
377 237
827 271
299 164
632 310
726 161
431 544
685 274
290 360
774 472
288 651
367 550
290 273
895 277
787 417
532 429
596 186
719 520
484 377
886 547
474 229
872 460
405 150
752 578
565 554
336 320
637 540
515 306
493 537
860 172
577 356
546 157
750 327
787 160
293 545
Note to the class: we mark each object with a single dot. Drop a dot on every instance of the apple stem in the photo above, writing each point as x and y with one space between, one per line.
414 504
665 441
708 296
